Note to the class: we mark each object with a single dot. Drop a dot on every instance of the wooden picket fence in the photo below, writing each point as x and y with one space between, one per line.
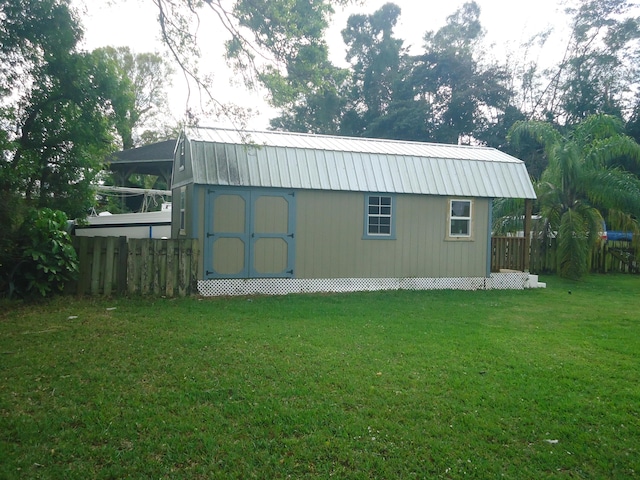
509 253
146 266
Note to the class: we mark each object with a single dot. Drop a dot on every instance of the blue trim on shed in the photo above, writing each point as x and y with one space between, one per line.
248 237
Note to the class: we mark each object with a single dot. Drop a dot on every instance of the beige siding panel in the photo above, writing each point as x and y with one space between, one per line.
330 244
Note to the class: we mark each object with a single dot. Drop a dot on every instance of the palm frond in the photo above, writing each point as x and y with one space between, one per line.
592 221
573 246
507 215
613 188
619 220
541 132
597 127
610 151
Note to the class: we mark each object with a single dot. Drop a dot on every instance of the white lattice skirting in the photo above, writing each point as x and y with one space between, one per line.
284 286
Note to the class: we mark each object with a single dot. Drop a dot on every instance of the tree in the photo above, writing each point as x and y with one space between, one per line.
309 95
59 123
276 42
452 78
583 185
600 65
65 130
375 56
145 77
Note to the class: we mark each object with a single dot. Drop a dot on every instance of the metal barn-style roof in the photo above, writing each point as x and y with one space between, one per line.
320 162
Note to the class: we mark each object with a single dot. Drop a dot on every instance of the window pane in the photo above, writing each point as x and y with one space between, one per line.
459 227
379 212
460 208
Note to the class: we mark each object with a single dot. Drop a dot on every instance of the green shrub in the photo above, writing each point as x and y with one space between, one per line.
45 260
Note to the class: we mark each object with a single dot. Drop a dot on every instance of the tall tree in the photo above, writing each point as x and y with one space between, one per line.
600 67
583 185
465 95
275 41
375 57
145 77
58 121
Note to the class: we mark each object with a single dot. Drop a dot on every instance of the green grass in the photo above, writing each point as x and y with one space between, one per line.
499 384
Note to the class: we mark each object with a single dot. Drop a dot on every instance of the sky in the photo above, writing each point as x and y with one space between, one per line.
133 23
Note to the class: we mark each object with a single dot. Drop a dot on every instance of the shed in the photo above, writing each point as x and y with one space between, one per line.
282 212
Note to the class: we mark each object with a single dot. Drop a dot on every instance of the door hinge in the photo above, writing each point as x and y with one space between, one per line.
211 235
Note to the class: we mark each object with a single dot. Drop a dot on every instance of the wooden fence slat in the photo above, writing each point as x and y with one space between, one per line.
96 265
84 277
192 251
122 264
160 263
185 268
131 266
171 273
146 268
109 268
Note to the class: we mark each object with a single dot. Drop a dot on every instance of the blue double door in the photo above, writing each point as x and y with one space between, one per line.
249 233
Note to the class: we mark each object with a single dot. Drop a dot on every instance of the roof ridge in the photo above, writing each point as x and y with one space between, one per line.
337 137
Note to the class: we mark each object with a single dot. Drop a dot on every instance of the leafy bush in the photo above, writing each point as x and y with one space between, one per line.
44 259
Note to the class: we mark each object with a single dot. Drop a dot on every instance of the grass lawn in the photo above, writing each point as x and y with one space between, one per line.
442 384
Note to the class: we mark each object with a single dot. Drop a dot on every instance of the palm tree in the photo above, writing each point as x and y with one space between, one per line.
583 185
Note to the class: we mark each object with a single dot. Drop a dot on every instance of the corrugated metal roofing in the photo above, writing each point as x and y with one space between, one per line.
304 161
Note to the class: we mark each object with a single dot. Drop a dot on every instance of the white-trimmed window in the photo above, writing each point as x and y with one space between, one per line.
460 218
379 216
